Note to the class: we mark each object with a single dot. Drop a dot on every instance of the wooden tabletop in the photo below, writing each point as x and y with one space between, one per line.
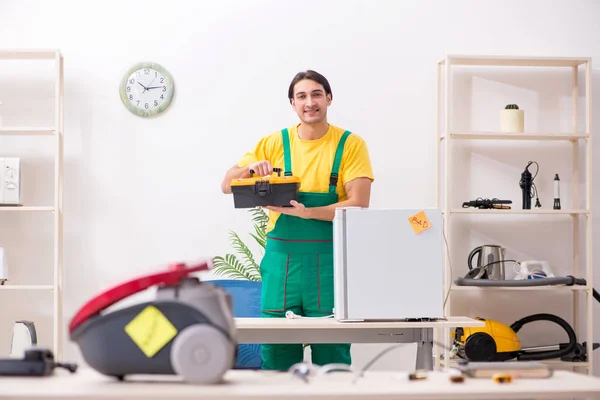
87 384
330 323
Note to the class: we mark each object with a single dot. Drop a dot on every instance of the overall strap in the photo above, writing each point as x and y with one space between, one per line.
287 157
333 178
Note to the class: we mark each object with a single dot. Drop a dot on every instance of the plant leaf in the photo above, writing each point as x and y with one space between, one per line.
260 217
260 236
230 267
244 251
246 266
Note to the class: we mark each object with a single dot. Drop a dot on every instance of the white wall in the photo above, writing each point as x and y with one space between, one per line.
140 193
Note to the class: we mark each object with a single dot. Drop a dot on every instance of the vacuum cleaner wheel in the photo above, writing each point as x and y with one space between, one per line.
480 346
201 354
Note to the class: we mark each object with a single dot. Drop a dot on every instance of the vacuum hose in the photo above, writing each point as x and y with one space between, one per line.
544 355
562 280
568 280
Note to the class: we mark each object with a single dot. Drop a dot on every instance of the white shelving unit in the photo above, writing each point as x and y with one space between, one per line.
57 208
447 137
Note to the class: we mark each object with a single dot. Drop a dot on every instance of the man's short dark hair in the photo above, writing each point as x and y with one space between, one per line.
312 75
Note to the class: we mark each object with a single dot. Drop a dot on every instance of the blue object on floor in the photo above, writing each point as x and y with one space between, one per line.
246 304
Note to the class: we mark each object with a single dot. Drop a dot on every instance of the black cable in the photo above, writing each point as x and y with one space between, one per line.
533 188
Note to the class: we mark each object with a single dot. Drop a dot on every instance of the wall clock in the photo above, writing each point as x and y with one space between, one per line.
147 89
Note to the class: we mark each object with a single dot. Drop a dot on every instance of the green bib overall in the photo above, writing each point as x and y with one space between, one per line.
297 271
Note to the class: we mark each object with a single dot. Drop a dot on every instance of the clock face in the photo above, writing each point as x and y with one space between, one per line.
147 89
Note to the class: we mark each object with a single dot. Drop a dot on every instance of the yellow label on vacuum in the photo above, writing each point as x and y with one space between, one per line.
150 330
419 222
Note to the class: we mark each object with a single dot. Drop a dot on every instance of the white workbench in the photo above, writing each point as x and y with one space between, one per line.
266 385
329 330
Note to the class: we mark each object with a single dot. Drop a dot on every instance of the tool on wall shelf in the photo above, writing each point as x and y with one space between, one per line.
556 192
528 187
488 203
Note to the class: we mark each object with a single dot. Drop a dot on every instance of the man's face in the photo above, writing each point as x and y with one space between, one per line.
310 101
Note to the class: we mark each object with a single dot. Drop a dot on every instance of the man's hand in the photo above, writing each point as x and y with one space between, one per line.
261 168
296 210
359 195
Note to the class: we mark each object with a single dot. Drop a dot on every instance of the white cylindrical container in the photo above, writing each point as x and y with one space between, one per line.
3 267
512 121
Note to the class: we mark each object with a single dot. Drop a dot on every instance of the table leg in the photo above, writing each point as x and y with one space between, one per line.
425 349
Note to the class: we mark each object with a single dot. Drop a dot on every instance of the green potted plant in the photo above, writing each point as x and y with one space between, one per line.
512 119
241 272
244 265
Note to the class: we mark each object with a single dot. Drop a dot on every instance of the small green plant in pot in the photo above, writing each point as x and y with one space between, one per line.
512 119
242 264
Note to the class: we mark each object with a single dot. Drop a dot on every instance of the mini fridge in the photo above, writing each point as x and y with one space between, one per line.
388 264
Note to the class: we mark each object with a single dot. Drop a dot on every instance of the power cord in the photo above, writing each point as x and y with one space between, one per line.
524 183
368 365
304 370
291 315
450 264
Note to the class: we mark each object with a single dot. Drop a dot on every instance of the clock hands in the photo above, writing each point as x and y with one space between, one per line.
148 88
145 88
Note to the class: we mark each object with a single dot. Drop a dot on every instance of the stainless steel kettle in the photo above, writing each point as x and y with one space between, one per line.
490 262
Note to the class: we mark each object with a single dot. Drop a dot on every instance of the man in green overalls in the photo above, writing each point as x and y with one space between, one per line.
334 168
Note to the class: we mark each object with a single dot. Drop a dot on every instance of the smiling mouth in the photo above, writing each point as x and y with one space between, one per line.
311 112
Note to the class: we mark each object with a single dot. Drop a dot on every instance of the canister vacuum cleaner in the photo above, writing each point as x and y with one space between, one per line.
187 330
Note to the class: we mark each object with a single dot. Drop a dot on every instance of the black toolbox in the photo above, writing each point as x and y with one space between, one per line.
258 191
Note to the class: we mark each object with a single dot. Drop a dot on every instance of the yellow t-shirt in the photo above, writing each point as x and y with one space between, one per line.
312 160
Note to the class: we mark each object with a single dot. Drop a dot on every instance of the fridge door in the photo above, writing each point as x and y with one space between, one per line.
383 269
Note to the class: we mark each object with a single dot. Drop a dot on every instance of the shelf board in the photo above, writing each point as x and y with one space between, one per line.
517 211
574 364
515 136
514 61
33 54
528 288
26 208
26 131
26 287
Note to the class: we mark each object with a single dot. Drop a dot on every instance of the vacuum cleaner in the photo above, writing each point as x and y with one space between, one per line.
187 330
499 342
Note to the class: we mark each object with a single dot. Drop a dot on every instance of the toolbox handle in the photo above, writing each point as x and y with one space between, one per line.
176 272
278 170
